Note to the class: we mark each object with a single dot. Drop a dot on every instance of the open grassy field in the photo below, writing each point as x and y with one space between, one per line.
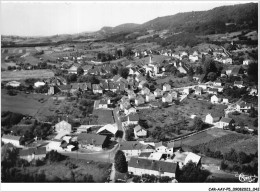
60 170
22 103
25 74
196 107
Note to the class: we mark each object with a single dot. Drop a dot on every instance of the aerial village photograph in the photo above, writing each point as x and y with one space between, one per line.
129 92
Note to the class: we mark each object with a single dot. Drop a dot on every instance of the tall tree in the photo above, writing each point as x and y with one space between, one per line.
198 124
80 71
120 162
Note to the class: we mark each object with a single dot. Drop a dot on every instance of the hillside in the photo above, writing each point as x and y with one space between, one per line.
127 27
217 20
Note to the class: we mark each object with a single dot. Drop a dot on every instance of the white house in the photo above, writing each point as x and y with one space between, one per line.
134 148
193 58
139 100
140 166
33 154
209 119
54 145
39 84
145 91
108 130
214 99
15 140
139 132
186 91
247 62
131 95
129 110
63 126
198 91
158 92
103 104
193 158
243 106
162 147
150 97
166 87
225 101
167 98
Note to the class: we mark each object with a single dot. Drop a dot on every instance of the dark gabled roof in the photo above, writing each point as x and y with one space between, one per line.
96 87
30 151
235 70
153 165
89 138
134 145
11 137
226 120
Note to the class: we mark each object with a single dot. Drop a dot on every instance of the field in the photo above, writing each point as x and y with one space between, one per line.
25 74
60 170
222 140
197 107
22 103
244 118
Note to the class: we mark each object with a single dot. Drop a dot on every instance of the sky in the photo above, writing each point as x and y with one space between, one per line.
52 18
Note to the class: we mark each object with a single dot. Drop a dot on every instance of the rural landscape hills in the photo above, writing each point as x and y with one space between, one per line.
218 20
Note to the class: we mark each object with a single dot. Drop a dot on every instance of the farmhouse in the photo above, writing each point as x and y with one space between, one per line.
139 132
226 123
214 99
92 141
133 118
163 147
32 154
63 126
15 140
243 106
108 130
140 166
134 148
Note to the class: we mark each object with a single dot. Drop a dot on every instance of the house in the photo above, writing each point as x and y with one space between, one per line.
214 99
103 104
150 97
227 60
33 154
63 126
134 148
198 91
186 91
166 87
226 123
140 166
253 92
217 83
124 104
194 158
109 130
92 141
163 147
139 100
213 91
73 69
243 106
132 118
239 84
247 62
145 91
212 118
39 84
225 101
236 71
86 68
141 84
54 145
139 132
167 98
174 94
193 58
116 78
129 110
158 93
97 89
131 95
14 140
13 84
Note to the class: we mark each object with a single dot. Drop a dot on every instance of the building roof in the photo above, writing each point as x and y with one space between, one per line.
192 157
96 87
145 154
138 128
89 138
112 128
30 151
11 137
226 120
152 165
160 144
134 145
156 156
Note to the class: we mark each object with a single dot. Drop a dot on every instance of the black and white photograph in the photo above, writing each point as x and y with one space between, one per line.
96 93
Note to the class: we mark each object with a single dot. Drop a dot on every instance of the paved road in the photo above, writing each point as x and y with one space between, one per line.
119 123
